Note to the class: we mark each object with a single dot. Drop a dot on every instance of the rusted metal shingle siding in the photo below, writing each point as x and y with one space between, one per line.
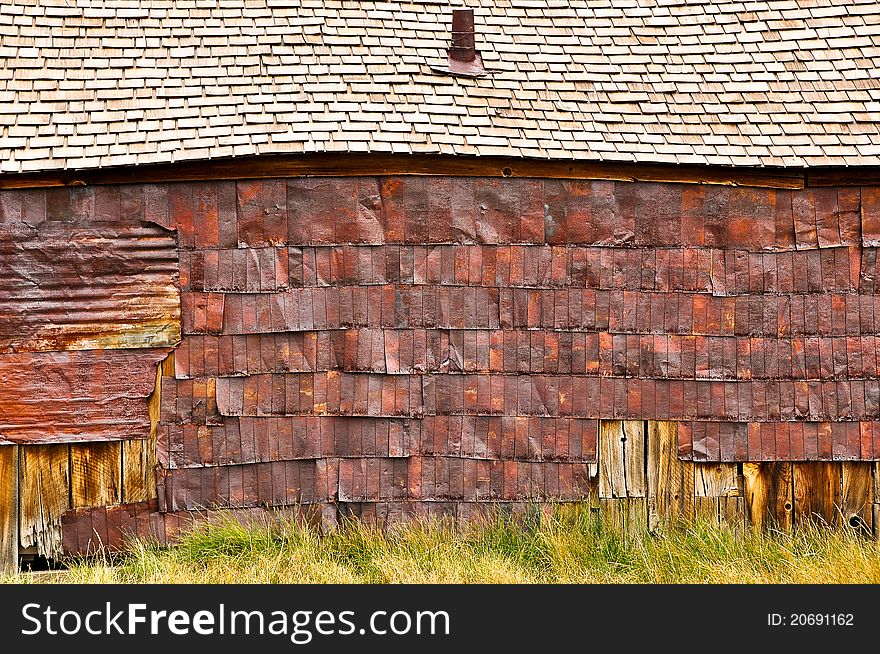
438 339
436 342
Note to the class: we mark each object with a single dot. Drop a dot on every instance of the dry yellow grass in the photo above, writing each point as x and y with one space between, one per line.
567 547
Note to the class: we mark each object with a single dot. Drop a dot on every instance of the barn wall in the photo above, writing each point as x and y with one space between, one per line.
389 346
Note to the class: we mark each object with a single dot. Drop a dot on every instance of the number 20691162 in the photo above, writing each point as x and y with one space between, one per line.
810 620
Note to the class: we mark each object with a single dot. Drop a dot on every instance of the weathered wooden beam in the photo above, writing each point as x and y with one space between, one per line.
857 496
622 459
347 164
44 490
670 480
843 176
768 495
816 492
8 509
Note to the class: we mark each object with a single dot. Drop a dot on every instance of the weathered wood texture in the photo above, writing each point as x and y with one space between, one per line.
44 496
95 474
56 479
732 512
670 480
769 495
622 459
89 304
349 164
8 509
140 457
138 477
717 480
876 468
857 496
719 493
624 515
816 492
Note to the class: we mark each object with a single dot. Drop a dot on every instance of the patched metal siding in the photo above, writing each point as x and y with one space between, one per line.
89 305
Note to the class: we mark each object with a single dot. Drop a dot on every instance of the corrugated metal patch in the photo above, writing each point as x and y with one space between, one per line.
70 286
56 397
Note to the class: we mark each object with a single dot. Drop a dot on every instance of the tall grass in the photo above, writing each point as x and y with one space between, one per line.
566 547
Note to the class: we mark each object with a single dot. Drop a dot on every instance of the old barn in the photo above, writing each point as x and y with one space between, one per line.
391 259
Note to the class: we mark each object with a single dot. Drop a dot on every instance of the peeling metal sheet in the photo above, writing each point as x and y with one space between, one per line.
77 286
56 397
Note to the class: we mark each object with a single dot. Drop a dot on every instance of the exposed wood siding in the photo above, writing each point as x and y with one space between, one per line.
8 508
95 474
768 492
44 492
670 479
816 492
353 164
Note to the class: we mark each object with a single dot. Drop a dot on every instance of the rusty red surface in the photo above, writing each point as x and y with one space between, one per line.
79 269
89 304
466 309
409 341
57 397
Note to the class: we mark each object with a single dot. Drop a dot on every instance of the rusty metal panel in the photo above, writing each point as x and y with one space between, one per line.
81 285
259 484
89 395
778 441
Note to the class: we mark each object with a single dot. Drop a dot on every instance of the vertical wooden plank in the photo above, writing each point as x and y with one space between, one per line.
706 509
876 469
95 474
44 492
138 470
816 492
728 511
627 516
8 509
768 495
622 459
732 512
718 494
717 480
670 480
876 521
857 496
140 457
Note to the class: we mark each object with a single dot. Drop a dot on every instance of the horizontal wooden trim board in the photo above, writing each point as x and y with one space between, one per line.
346 164
862 176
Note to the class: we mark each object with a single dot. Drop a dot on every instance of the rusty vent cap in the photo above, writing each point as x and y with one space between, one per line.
463 58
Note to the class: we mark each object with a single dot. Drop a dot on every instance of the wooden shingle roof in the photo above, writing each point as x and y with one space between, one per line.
98 83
